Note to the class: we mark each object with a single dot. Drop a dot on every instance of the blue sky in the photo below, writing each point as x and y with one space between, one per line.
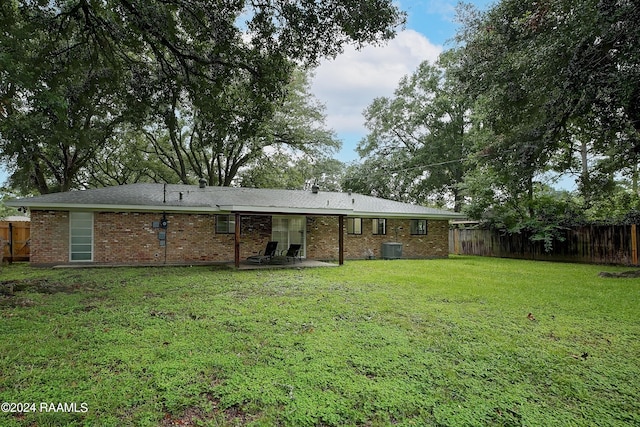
348 84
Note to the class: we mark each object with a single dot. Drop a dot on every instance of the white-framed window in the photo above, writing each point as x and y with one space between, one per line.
80 236
354 225
225 224
379 226
419 226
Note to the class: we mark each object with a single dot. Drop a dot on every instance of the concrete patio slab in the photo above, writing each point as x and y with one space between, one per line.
307 263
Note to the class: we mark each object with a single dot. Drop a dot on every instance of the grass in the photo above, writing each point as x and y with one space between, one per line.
460 342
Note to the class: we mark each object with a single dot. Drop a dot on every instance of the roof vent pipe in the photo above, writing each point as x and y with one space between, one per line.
315 189
203 183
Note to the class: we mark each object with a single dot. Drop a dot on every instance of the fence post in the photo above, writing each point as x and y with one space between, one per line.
10 243
456 239
634 245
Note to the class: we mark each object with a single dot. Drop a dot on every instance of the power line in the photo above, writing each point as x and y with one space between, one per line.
426 166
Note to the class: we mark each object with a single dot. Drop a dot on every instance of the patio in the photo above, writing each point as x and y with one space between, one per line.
305 263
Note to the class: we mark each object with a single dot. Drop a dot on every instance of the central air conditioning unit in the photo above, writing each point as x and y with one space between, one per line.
391 250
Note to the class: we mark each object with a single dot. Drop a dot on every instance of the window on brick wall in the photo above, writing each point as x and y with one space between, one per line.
379 225
80 236
419 226
354 225
225 224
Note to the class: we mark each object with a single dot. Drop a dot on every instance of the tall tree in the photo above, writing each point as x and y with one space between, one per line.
61 100
418 139
188 142
86 64
554 76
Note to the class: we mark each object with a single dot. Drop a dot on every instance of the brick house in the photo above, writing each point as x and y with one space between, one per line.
183 224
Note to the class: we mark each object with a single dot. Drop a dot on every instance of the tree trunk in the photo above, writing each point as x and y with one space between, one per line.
584 175
457 200
530 196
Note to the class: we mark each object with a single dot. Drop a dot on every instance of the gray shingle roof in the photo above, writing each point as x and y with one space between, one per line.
189 198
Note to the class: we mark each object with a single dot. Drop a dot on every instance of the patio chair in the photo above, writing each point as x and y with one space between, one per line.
269 252
293 253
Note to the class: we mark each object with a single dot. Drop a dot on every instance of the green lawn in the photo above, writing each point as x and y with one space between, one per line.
464 341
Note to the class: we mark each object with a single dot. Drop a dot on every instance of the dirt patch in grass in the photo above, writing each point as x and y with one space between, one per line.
632 274
10 290
191 417
232 416
8 301
41 286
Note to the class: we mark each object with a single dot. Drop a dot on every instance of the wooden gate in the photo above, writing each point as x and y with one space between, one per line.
14 236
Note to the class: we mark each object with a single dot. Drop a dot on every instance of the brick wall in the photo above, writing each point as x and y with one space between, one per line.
129 238
49 237
125 237
322 239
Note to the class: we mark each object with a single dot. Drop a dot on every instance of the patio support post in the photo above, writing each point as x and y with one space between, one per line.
236 245
634 244
341 239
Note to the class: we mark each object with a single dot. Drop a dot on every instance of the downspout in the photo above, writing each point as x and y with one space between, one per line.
164 200
236 245
341 240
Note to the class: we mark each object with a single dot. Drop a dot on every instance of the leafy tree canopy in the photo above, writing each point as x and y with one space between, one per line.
186 143
556 86
552 75
72 72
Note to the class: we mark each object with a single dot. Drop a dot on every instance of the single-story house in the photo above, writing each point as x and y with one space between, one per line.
184 224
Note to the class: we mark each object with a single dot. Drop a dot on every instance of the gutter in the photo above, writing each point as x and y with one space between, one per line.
222 209
283 210
109 208
411 215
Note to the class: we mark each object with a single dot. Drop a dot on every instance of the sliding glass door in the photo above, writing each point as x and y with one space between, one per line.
288 230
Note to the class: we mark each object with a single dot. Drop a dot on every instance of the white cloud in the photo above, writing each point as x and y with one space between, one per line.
348 84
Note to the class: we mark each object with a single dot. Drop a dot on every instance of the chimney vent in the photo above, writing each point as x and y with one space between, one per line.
203 183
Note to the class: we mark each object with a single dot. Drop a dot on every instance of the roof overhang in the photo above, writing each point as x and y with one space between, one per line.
244 209
439 216
110 208
283 210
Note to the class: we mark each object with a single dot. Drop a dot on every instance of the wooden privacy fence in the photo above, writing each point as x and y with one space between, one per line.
14 237
606 244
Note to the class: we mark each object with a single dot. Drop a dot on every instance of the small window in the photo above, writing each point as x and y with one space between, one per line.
225 224
419 226
80 236
354 225
379 226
